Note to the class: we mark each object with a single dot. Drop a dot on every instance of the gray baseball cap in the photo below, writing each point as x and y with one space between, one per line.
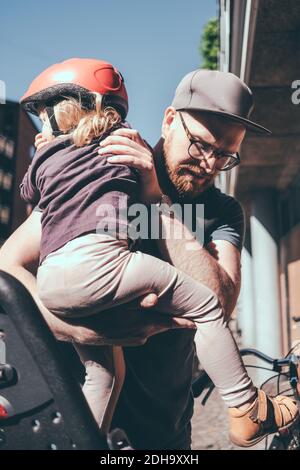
215 92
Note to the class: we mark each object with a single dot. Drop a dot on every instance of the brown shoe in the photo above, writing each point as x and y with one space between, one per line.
264 416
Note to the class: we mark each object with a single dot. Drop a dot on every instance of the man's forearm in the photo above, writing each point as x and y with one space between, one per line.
193 259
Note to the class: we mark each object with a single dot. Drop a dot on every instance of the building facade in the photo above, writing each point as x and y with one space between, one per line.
260 43
17 132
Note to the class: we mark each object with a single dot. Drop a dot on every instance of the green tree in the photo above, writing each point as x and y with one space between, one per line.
210 45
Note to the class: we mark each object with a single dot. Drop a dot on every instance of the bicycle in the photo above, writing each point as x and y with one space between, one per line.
287 370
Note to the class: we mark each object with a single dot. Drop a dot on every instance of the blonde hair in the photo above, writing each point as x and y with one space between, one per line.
82 124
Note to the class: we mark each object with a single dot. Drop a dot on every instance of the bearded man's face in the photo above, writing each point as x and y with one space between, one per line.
191 177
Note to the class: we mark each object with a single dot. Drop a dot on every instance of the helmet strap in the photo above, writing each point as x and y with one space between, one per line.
53 123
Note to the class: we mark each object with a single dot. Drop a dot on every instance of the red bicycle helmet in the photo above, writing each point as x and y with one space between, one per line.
77 78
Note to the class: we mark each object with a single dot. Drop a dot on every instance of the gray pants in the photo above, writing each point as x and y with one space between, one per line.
95 272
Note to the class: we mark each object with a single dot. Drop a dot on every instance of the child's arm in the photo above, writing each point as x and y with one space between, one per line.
28 190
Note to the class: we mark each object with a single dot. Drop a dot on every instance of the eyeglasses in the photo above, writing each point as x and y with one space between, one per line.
201 150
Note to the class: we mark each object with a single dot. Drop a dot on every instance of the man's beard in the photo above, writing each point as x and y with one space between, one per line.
185 176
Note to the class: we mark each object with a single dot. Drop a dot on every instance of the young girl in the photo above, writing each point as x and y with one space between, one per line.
85 269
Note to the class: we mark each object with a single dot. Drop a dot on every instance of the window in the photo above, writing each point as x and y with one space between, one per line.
2 143
9 148
4 215
7 179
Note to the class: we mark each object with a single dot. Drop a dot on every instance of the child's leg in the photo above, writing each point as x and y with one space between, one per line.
251 416
105 374
180 295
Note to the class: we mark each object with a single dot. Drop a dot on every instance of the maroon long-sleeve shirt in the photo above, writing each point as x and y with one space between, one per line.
71 185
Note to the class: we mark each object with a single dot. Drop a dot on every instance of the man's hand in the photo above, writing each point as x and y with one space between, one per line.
128 148
126 325
122 326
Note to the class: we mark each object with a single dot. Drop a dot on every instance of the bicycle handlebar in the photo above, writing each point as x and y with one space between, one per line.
276 363
203 381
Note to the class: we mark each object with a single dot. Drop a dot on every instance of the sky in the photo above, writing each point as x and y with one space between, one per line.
154 43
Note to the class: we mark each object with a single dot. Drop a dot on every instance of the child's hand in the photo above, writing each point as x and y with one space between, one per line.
40 141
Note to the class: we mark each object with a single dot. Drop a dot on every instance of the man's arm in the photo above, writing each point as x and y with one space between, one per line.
217 267
19 256
228 258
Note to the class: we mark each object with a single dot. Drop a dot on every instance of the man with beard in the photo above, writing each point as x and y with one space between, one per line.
201 135
202 132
